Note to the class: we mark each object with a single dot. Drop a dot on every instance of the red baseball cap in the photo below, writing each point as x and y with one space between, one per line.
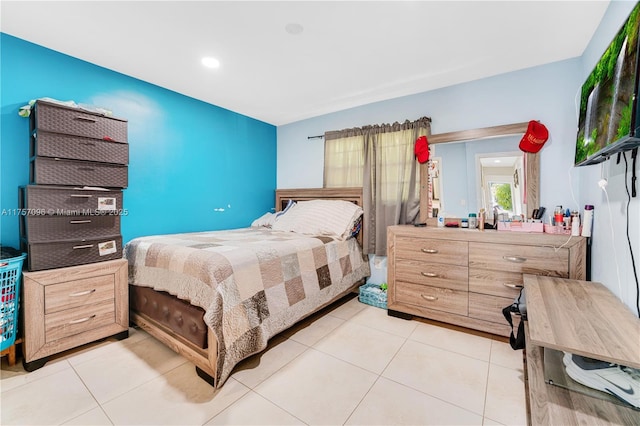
535 136
422 149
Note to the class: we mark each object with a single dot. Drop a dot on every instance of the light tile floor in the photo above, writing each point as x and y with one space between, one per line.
349 364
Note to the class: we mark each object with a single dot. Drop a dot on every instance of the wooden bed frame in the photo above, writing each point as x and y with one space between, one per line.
205 360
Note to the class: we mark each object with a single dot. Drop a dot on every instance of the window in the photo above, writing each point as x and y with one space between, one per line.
380 159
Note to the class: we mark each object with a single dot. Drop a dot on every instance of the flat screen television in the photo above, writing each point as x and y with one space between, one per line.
609 120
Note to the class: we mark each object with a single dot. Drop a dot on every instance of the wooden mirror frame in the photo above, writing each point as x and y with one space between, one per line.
532 163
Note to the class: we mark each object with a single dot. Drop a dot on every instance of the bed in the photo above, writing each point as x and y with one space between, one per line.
217 297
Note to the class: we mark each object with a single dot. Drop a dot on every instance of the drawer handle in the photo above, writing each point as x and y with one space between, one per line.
81 195
512 285
82 293
515 259
89 119
430 251
85 319
76 222
429 298
429 274
86 246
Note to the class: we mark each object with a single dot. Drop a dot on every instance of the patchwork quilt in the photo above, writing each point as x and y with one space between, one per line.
252 282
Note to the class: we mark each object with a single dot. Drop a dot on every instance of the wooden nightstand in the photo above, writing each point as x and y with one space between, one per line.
67 307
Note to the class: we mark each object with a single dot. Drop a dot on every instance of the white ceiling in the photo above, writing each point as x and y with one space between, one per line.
348 54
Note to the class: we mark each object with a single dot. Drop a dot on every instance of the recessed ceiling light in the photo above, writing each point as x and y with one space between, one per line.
210 62
496 160
293 28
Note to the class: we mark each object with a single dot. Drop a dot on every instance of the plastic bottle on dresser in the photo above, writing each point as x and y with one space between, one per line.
575 224
473 221
587 220
441 219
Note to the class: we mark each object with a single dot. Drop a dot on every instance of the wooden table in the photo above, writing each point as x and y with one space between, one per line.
582 318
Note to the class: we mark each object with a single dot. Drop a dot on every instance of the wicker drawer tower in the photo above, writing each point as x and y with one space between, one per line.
75 291
64 223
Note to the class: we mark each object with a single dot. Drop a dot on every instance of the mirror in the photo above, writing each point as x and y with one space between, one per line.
460 184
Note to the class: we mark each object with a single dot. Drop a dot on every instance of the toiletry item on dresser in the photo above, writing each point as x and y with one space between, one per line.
575 224
473 221
481 220
587 220
558 216
464 222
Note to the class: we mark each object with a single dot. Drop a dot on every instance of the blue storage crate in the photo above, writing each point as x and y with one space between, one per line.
10 276
373 295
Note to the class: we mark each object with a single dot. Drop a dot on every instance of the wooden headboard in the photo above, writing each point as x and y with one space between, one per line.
353 194
305 194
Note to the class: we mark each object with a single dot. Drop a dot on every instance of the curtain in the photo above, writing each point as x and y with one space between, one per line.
381 159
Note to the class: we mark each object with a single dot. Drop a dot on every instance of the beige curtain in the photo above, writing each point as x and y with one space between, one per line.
380 158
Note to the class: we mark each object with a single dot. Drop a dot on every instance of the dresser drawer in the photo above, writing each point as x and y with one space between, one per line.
441 299
519 258
53 171
432 274
47 144
496 283
69 201
430 250
488 308
55 228
75 121
77 320
77 293
68 253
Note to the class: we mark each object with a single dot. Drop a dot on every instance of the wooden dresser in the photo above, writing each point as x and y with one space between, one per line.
466 277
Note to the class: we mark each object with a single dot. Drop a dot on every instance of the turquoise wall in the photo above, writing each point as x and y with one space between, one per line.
189 160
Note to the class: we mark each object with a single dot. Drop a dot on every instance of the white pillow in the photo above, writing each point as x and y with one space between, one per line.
266 220
320 217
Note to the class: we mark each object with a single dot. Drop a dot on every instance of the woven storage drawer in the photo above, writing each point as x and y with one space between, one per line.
46 144
68 201
51 171
55 228
373 295
69 253
55 118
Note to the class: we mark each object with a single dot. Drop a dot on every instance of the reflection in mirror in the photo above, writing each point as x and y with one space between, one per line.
462 188
459 186
436 185
501 178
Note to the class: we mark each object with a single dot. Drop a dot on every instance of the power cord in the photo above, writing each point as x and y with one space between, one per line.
602 183
633 262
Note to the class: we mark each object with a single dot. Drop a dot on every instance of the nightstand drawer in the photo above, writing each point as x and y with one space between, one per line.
519 258
432 274
75 321
74 294
441 299
429 250
496 283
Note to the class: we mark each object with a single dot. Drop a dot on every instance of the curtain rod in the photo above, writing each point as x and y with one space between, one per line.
315 137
